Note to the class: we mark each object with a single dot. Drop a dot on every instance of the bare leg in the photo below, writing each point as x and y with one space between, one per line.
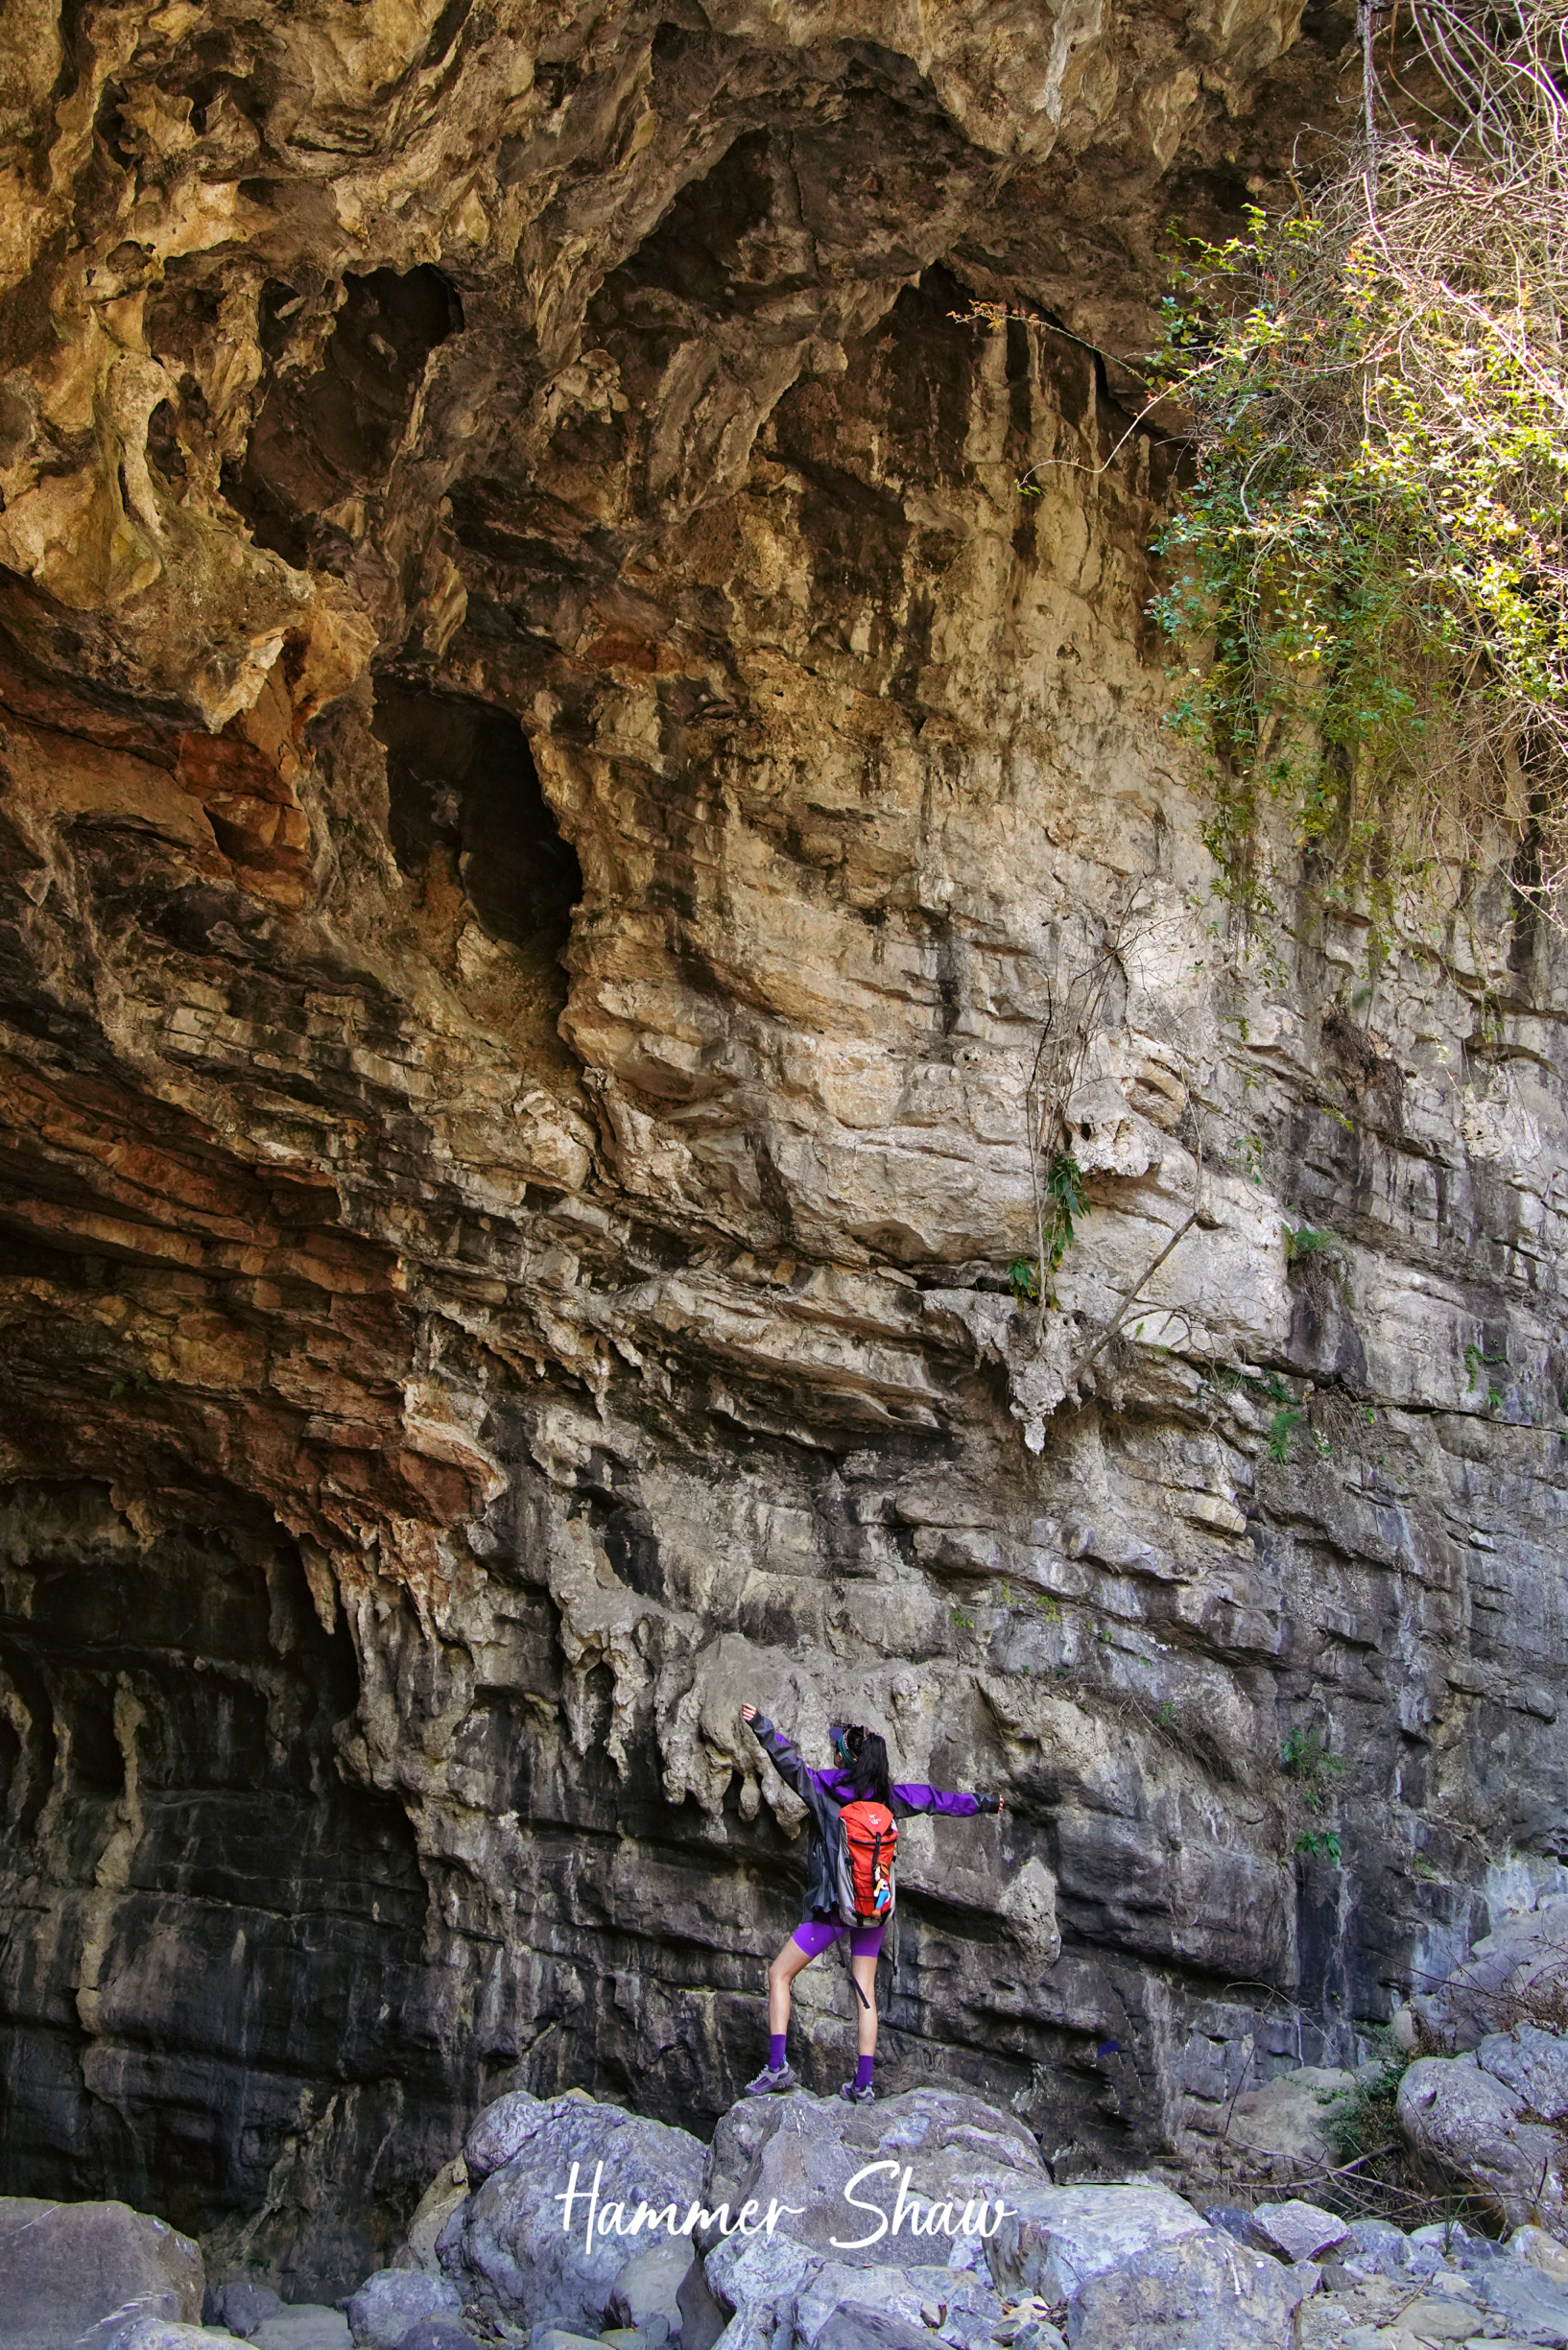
781 1975
863 1971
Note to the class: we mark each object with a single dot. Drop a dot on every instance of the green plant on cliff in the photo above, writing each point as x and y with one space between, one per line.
1065 1202
1281 1428
1368 579
1305 1758
1362 2121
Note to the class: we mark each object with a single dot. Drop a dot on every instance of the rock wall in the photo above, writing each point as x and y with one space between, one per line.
550 780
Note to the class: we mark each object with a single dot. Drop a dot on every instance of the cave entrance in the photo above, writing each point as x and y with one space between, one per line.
336 430
460 777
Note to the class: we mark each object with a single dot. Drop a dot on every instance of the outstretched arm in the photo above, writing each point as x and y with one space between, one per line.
950 1803
783 1750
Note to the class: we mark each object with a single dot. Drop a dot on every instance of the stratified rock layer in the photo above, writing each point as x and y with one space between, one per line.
551 778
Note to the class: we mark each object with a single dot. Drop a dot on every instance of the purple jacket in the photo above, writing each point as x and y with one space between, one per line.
825 1792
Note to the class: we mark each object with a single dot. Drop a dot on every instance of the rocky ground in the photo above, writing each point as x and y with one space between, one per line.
926 2221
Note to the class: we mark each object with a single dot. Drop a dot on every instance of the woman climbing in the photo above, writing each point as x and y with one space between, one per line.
849 1875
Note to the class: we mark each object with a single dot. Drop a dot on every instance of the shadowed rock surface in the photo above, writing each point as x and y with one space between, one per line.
550 776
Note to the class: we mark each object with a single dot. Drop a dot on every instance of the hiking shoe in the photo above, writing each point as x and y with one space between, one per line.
858 2097
770 2084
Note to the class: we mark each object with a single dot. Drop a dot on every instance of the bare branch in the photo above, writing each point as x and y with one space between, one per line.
1129 1297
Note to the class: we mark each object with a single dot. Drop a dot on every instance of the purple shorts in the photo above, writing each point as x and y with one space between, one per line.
815 1935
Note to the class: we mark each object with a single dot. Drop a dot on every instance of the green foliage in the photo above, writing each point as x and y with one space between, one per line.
1024 1280
1304 1242
1367 581
129 1382
1362 2121
1475 1363
1281 1428
1320 1844
1067 1202
1306 1759
966 1624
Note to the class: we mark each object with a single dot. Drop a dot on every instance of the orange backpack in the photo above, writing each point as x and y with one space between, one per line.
868 1841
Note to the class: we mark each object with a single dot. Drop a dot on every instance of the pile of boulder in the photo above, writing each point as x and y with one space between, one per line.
1488 2105
924 2221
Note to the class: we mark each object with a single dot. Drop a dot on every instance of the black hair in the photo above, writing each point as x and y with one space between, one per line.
867 1767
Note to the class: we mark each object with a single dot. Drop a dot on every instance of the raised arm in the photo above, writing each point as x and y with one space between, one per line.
786 1757
916 1796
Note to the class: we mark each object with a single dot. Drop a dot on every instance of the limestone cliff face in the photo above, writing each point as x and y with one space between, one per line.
550 781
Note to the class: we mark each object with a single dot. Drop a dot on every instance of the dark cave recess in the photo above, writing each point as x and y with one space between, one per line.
213 1933
460 776
322 436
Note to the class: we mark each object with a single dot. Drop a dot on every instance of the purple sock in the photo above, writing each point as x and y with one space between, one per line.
863 2072
775 2051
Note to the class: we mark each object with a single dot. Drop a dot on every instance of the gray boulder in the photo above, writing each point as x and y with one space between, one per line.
858 2329
499 2135
648 2285
801 2156
1533 2062
1376 2249
71 2274
702 2320
303 2325
1528 2305
163 2333
1465 2121
1438 2319
755 2281
948 2302
1481 1994
1059 2237
241 2305
1374 2235
1297 2231
514 2249
1201 2294
438 2334
1542 2251
387 2305
1285 2121
774 2290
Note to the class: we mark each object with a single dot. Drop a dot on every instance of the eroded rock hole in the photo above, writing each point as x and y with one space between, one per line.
321 437
460 777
